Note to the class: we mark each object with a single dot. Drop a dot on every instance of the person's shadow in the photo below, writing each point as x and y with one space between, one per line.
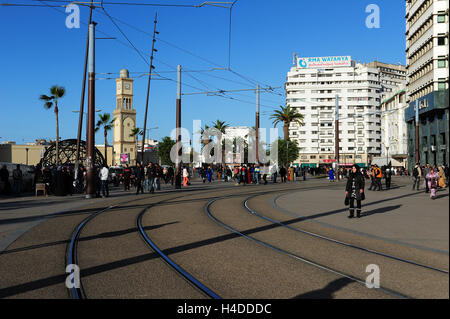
326 292
380 210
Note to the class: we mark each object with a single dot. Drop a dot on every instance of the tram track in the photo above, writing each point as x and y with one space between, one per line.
422 272
294 255
72 247
336 241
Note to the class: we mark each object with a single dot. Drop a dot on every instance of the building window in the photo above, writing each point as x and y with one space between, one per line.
442 86
441 41
442 63
441 18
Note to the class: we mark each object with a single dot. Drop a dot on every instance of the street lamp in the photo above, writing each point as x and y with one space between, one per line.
287 153
387 155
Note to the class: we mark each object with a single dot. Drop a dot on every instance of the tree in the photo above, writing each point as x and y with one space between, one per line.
221 126
164 148
135 132
108 124
286 116
292 151
56 92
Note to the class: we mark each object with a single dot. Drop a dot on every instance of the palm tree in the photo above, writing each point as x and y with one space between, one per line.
205 139
56 92
221 126
286 116
108 124
134 133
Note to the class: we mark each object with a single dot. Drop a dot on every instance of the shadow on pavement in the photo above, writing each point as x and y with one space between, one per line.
326 292
380 210
102 235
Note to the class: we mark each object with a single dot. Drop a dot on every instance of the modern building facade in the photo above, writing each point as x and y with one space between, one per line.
312 85
125 121
427 50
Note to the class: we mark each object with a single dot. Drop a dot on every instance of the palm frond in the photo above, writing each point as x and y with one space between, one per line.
57 91
48 105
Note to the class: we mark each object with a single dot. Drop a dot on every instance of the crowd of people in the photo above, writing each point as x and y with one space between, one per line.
434 178
62 180
249 173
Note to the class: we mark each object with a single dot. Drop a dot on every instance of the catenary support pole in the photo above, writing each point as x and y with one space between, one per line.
417 133
148 90
83 90
336 136
257 124
90 147
178 131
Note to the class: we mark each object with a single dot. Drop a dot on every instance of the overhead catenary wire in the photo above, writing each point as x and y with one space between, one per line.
130 44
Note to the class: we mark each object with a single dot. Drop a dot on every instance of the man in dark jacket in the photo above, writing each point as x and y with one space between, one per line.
151 175
4 177
354 190
126 178
139 178
17 180
283 172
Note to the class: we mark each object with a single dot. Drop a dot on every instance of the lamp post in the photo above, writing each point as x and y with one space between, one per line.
387 155
287 153
27 154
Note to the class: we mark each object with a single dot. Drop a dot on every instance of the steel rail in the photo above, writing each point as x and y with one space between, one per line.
340 242
297 257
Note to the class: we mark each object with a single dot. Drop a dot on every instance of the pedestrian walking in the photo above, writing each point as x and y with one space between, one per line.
151 174
104 175
126 178
17 180
68 181
171 174
388 176
426 171
185 177
274 172
139 176
433 180
441 177
4 179
283 174
209 174
354 190
417 174
331 175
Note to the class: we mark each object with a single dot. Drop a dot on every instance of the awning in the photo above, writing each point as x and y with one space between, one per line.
383 161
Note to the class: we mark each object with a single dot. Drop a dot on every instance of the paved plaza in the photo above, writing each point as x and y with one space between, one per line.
296 235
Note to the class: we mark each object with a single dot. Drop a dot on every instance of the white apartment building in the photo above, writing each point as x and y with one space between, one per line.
392 77
311 88
394 143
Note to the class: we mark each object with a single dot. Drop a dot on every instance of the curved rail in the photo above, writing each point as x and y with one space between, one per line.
300 258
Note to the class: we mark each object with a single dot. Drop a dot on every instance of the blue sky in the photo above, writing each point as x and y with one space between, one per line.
39 51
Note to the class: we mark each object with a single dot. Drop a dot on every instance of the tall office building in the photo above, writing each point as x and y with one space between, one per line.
311 88
427 49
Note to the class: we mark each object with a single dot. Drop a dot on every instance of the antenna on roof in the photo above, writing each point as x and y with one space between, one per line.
294 60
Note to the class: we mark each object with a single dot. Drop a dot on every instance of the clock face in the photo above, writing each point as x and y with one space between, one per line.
127 86
118 86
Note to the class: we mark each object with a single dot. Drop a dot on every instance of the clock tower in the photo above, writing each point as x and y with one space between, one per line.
125 119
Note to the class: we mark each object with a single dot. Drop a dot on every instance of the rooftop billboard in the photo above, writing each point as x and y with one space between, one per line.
324 62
